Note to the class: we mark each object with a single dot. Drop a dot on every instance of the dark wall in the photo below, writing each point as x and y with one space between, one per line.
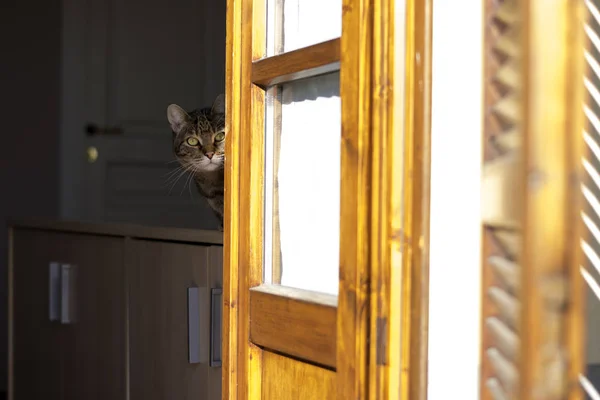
30 39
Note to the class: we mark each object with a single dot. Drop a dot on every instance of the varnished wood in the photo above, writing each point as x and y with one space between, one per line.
251 193
303 63
410 237
353 299
285 378
386 146
294 322
372 144
231 234
119 229
534 311
552 159
576 318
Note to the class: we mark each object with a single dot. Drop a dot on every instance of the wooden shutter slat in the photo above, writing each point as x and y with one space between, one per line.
506 12
508 307
495 389
508 110
506 372
507 271
506 339
510 241
507 141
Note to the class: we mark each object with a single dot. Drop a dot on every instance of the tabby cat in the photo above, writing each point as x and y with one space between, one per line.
199 144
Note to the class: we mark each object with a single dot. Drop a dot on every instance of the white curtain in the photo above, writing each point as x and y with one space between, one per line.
309 183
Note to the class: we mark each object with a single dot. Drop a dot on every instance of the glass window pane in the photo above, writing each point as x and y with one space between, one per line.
293 24
302 184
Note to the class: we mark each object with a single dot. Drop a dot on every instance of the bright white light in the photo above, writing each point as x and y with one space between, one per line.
454 320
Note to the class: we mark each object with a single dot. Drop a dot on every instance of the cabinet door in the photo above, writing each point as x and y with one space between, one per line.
35 343
95 339
85 357
169 322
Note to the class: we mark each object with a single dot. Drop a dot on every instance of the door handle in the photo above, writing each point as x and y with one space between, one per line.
54 291
93 129
193 296
67 280
216 317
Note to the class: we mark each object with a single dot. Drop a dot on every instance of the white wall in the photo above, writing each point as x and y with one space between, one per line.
454 331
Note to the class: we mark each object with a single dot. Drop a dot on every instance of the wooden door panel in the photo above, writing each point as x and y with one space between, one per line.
159 275
35 342
273 332
285 378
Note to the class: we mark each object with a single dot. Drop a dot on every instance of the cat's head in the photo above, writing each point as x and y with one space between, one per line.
199 136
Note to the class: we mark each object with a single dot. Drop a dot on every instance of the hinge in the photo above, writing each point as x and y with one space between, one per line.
381 341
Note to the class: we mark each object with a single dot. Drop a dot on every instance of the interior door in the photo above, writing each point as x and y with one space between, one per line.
124 62
313 239
284 93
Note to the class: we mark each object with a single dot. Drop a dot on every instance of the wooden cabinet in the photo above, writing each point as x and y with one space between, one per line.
113 312
170 286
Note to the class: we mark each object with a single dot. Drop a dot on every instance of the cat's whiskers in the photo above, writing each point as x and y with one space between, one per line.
174 177
169 175
188 180
182 173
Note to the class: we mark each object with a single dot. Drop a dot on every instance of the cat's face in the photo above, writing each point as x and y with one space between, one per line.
199 136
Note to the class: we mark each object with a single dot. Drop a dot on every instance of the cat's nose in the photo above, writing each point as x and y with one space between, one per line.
210 155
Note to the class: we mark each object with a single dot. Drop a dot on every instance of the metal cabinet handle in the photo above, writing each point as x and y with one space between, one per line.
67 309
216 304
54 291
193 296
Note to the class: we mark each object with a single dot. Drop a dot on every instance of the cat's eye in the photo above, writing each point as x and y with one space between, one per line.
192 141
219 136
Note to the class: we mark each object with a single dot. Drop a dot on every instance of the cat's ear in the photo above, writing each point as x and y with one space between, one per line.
177 117
218 106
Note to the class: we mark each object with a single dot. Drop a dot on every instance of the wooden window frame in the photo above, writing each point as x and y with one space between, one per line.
379 345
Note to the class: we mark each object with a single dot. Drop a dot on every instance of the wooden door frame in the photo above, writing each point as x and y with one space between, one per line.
536 196
385 147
